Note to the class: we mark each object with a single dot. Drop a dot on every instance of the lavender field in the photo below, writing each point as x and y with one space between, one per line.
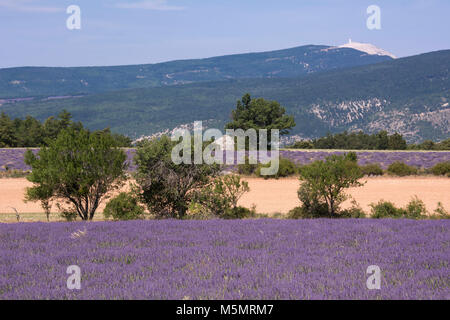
240 259
13 158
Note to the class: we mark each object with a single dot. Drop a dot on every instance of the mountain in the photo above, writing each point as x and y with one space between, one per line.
41 82
367 48
408 95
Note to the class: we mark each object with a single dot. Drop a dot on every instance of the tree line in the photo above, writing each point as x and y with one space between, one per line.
381 140
30 132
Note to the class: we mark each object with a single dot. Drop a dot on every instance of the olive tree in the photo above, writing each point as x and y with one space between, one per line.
78 168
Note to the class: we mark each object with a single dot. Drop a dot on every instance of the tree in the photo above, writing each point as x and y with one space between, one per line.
7 138
79 168
324 181
165 187
260 114
396 142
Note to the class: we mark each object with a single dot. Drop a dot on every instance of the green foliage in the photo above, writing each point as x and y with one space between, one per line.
354 141
441 169
301 144
286 168
247 168
7 137
67 214
324 183
124 206
415 209
260 114
78 167
372 169
220 197
401 169
30 132
440 212
166 188
430 145
386 209
239 213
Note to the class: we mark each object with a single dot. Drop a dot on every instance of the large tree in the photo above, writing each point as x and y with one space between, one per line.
78 168
165 187
260 114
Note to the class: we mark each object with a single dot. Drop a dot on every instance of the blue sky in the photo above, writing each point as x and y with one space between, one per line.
118 32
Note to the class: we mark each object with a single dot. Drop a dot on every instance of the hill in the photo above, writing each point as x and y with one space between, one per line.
409 95
294 62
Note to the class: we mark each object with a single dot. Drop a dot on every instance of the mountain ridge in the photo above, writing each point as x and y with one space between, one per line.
22 82
408 95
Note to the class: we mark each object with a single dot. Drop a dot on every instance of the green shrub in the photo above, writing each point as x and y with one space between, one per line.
247 168
372 169
441 169
386 209
355 211
300 213
67 214
302 144
401 169
220 197
239 213
124 207
286 168
415 209
440 212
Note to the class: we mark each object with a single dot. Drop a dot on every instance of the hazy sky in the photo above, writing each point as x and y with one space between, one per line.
115 32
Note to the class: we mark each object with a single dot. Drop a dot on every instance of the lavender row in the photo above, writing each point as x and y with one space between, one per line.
226 259
13 158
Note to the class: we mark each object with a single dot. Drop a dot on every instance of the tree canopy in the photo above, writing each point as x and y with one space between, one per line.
30 132
260 114
79 168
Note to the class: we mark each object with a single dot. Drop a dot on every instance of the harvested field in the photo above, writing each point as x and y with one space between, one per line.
270 196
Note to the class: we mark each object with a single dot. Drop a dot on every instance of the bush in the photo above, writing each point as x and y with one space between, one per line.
300 213
302 144
372 169
401 169
386 209
124 207
355 211
239 213
221 196
247 168
286 168
415 209
440 212
441 169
